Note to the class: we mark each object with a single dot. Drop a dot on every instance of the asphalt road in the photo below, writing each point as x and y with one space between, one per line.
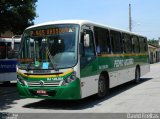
127 98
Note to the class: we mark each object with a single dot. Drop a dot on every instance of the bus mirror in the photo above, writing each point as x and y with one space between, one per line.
86 40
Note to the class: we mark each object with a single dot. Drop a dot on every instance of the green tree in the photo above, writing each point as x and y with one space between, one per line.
16 15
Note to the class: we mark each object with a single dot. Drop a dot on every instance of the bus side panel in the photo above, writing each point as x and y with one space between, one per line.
8 76
89 75
8 66
7 70
121 76
89 86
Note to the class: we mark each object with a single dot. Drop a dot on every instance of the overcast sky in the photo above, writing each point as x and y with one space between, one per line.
145 13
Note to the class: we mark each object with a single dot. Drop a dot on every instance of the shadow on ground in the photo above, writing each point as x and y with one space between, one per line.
88 102
8 95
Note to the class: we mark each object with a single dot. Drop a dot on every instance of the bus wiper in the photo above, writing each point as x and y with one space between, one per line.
50 57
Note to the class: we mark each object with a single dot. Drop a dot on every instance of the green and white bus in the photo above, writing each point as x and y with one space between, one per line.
74 59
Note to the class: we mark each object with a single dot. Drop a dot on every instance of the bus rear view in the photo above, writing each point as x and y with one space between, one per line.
9 48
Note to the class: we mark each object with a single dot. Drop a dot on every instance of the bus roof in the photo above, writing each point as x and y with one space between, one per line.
81 22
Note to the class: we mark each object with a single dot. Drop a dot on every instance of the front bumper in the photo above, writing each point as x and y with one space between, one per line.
68 92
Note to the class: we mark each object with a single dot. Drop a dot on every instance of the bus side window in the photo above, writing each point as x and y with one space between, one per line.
102 40
146 45
3 50
143 44
10 52
135 45
127 43
116 41
124 45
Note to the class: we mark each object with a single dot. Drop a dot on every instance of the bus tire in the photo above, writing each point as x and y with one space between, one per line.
103 87
137 75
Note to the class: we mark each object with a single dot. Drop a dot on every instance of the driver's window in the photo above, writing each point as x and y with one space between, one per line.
88 51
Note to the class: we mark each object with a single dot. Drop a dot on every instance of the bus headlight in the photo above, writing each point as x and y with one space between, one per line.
70 78
21 81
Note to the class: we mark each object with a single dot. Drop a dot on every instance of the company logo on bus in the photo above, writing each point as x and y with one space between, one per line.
41 83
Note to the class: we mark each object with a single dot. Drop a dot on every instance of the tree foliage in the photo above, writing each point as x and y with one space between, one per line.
16 15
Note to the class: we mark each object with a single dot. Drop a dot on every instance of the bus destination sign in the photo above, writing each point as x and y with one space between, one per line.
52 31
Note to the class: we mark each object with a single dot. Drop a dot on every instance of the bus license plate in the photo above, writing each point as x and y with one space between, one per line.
42 92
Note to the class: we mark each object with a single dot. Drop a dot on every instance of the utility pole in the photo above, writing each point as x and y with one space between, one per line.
130 19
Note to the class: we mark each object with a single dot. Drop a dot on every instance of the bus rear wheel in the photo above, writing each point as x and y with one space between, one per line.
103 87
137 75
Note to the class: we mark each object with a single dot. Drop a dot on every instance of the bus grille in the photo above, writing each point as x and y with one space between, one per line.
44 83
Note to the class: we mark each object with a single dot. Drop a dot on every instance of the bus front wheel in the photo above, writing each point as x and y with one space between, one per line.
103 87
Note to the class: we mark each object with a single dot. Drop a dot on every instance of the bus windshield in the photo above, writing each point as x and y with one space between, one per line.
49 47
